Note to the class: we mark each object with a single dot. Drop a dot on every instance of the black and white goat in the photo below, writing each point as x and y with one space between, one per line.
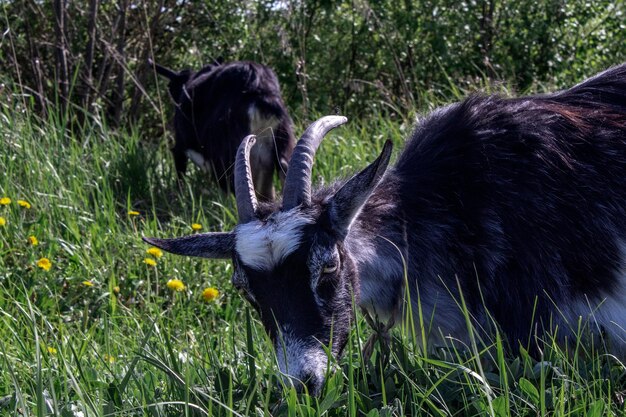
219 105
520 204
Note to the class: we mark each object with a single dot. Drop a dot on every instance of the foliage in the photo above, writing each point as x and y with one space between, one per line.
358 58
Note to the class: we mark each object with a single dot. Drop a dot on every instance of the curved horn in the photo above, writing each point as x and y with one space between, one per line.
297 188
244 188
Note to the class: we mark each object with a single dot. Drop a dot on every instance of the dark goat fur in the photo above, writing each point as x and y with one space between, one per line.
517 198
517 205
213 114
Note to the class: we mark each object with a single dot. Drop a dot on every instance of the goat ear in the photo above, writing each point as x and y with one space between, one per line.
205 245
164 71
346 204
177 79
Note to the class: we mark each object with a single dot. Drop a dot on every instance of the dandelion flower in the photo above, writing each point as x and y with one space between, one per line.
44 263
33 240
52 350
109 358
149 261
5 201
210 294
88 283
3 221
24 203
133 213
116 289
175 285
156 252
196 226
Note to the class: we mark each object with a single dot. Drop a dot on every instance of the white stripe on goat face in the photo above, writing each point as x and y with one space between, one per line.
262 245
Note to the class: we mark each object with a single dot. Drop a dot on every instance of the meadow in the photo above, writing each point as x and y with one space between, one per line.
93 323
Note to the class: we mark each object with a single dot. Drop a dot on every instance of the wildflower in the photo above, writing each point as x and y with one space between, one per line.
5 201
156 252
3 221
109 358
196 226
88 283
116 289
24 203
149 261
210 294
175 285
44 263
33 240
52 350
76 411
133 213
183 356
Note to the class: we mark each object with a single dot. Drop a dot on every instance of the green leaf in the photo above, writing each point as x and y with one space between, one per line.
499 405
328 401
373 413
596 409
530 390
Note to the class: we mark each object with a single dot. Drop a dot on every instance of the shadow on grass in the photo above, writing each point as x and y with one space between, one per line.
143 179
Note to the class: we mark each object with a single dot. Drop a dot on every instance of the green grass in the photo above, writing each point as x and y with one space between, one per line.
70 349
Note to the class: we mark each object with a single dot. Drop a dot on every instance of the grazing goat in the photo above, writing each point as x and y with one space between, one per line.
219 105
517 205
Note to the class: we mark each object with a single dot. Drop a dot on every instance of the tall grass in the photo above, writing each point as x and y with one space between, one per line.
101 334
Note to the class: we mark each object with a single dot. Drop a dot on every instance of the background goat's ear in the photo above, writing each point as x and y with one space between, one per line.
177 79
347 202
205 245
164 71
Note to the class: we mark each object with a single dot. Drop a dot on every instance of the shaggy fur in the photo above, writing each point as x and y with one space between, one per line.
217 107
520 200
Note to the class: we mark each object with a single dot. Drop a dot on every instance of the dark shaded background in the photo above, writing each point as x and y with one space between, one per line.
357 58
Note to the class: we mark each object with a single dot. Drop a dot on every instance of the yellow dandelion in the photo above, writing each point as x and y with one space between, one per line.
196 226
88 283
3 221
116 289
33 240
44 263
24 203
210 294
5 201
52 350
156 252
133 213
149 261
109 358
175 285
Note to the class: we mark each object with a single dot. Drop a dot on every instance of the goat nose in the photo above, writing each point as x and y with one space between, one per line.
311 382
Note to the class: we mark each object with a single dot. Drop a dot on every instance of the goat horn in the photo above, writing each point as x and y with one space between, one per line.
297 188
244 189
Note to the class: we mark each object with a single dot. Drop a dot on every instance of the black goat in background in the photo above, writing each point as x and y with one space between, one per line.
216 107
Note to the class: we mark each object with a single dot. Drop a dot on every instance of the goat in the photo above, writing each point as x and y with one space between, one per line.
220 104
517 205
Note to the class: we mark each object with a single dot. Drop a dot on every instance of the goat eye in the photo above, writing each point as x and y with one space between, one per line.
330 267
